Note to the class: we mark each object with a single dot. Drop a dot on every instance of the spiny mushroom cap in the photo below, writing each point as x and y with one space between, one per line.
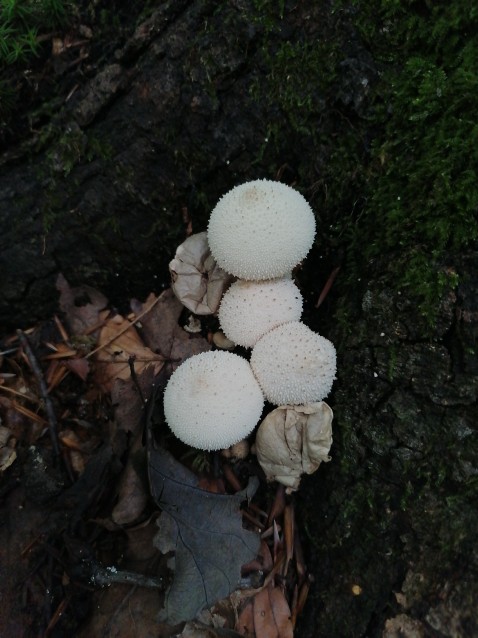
250 309
261 230
294 365
212 400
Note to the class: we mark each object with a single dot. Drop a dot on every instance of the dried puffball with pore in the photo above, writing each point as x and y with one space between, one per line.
197 281
293 440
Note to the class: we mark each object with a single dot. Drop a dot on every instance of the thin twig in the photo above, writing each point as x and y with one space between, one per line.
4 388
9 351
59 611
328 286
134 378
123 330
52 420
105 576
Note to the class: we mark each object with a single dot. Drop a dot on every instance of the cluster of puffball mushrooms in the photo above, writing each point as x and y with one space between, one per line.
257 233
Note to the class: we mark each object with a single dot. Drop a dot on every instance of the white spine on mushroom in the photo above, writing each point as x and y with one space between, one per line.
212 400
294 365
250 309
261 230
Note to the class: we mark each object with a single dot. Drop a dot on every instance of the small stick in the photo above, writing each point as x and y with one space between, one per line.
289 524
30 546
293 606
134 378
270 531
299 558
257 509
4 388
303 593
36 418
278 504
56 616
105 576
52 421
257 524
61 329
231 477
328 286
9 351
123 330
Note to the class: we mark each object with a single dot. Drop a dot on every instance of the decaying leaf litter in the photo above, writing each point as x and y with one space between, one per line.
101 372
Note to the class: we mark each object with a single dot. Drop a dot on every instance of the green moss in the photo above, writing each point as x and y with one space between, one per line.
394 163
22 24
67 149
21 21
420 189
298 72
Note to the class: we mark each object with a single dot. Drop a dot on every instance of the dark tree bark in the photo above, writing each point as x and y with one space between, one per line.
394 514
150 136
98 193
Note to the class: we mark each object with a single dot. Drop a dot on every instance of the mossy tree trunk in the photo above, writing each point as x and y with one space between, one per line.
146 138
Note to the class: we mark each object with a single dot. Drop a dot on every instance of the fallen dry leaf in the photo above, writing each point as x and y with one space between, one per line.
160 324
122 611
128 417
133 491
127 401
82 305
211 544
23 422
119 342
70 440
55 373
80 367
141 554
197 629
266 615
185 346
165 540
161 331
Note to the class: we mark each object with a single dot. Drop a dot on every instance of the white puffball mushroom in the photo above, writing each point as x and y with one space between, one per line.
261 230
212 400
250 309
294 365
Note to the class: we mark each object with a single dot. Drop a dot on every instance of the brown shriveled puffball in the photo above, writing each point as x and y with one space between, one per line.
212 400
196 279
261 230
294 365
250 309
293 440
